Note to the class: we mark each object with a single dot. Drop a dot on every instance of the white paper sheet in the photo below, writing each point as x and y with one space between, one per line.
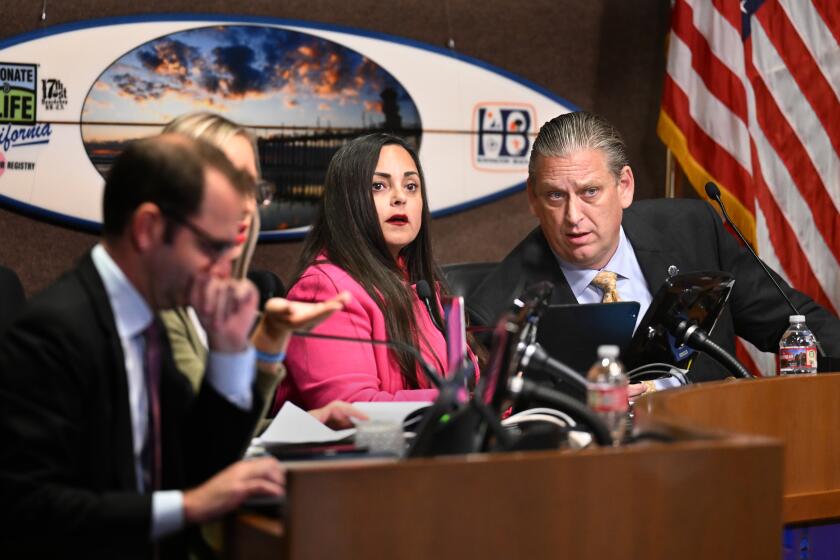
294 425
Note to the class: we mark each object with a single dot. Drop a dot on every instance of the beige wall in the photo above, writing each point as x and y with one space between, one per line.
606 56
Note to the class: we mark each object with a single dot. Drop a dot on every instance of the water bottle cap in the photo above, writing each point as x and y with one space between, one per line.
797 318
608 351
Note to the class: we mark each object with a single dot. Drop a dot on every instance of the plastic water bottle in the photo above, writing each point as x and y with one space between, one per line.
797 348
607 393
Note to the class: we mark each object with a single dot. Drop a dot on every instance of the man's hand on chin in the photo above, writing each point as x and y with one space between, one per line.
227 309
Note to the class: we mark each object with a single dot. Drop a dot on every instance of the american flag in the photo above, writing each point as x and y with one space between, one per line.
752 102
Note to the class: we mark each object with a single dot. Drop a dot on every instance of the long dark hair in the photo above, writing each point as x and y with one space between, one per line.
347 229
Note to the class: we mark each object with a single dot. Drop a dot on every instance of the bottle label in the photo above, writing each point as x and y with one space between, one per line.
797 357
607 398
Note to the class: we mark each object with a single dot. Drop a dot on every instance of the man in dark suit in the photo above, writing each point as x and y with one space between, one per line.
104 449
580 188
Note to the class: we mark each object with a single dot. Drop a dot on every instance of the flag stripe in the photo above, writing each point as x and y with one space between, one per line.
673 136
765 246
786 243
754 359
724 39
712 116
816 208
787 63
779 176
730 10
708 153
716 76
829 13
817 39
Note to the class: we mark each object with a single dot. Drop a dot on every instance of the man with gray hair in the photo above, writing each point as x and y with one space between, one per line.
595 247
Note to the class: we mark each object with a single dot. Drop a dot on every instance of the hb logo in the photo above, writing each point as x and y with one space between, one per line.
503 133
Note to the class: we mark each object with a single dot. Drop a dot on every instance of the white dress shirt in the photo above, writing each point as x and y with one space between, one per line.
232 375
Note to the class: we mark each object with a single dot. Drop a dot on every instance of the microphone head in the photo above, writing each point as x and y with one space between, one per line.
712 191
424 291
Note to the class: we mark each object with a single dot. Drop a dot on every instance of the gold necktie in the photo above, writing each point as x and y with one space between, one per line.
605 281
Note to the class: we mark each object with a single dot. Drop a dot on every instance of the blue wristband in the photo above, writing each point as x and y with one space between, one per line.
270 358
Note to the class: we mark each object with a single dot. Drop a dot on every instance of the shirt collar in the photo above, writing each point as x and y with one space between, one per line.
621 263
131 312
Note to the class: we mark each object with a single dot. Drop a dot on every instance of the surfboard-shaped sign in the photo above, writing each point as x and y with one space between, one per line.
72 96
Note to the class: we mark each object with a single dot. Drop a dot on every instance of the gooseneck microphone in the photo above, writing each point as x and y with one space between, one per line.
428 371
424 292
521 387
695 337
534 357
713 192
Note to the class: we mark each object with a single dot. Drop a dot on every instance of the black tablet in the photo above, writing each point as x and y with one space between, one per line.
572 333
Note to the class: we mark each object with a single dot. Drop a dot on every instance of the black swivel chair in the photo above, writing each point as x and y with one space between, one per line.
12 296
268 284
464 278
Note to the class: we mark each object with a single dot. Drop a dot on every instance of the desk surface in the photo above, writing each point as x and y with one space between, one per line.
801 410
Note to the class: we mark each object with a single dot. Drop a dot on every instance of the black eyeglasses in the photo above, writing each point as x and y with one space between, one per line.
211 246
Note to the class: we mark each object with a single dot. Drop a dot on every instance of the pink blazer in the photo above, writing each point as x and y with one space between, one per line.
321 371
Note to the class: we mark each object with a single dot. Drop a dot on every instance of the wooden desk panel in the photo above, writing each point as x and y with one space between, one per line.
649 501
802 411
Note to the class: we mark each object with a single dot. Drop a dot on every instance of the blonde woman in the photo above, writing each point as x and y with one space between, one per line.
280 317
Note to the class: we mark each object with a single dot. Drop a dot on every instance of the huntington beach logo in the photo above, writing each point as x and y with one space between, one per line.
502 135
18 84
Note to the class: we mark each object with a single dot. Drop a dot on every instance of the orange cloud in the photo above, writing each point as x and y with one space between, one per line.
373 106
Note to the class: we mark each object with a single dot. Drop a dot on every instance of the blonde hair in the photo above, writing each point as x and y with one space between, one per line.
218 130
213 128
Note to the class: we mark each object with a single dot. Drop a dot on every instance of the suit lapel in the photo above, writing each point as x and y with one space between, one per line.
547 269
653 250
121 432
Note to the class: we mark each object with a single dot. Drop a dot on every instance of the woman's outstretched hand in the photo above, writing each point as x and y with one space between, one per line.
282 314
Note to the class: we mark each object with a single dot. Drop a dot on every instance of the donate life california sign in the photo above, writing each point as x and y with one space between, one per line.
73 96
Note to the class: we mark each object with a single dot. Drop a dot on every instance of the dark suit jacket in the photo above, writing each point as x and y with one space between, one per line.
67 472
687 234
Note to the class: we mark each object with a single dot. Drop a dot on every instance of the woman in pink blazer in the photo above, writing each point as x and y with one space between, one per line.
372 239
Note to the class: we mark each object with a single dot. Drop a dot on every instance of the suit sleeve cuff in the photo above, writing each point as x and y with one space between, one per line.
167 513
232 375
